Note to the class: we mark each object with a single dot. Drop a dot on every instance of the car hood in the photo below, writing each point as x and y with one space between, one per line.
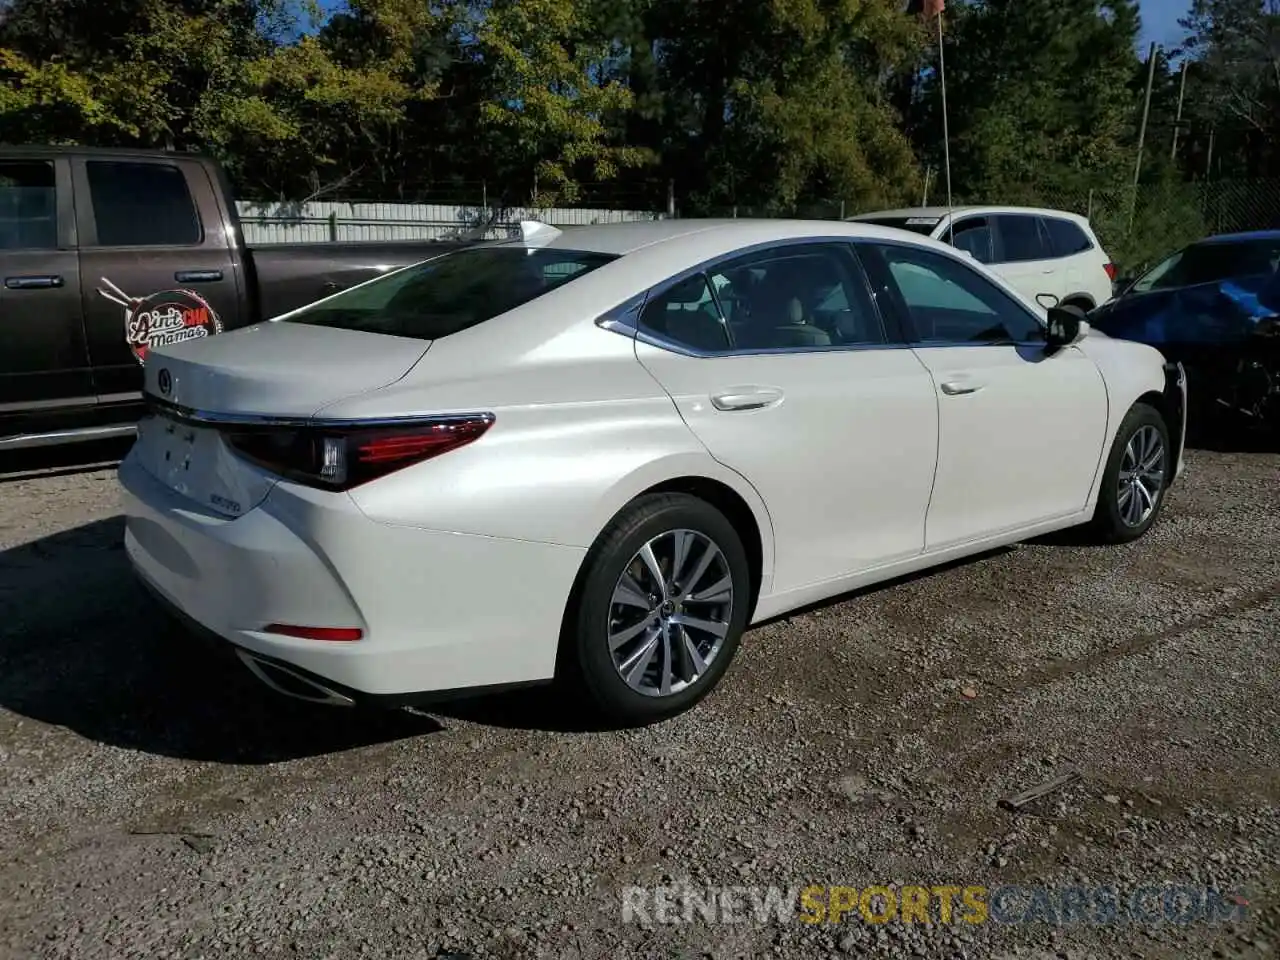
1227 311
278 368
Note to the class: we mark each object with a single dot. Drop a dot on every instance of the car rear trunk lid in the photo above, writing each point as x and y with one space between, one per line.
271 372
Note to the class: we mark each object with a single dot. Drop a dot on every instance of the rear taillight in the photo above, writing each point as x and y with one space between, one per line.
339 458
1111 270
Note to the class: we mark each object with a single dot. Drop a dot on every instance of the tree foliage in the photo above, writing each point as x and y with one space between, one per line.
771 106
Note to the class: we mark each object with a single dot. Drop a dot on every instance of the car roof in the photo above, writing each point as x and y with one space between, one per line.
674 235
1246 236
971 208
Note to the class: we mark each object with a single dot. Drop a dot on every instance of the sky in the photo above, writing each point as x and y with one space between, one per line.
1160 21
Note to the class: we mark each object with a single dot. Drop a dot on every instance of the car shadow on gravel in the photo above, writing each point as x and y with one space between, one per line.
82 646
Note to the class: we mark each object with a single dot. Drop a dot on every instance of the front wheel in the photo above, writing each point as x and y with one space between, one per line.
661 609
1135 478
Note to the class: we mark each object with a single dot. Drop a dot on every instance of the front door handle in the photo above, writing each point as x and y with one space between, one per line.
955 388
198 276
33 283
746 398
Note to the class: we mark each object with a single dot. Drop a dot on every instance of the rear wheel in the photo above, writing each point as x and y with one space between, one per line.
661 608
1135 478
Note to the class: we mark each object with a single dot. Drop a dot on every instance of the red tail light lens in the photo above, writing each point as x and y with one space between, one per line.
339 459
1111 270
339 634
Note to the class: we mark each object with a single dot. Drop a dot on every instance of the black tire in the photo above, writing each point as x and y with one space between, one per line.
587 660
1109 524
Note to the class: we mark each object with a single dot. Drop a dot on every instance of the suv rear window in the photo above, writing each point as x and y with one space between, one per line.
923 225
1067 237
452 292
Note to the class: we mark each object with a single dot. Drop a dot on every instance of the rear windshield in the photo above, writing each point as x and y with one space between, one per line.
452 292
923 225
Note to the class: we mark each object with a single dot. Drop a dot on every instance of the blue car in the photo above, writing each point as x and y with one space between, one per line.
1214 306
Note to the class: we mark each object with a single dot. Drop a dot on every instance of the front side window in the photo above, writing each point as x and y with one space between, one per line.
28 206
1023 238
142 205
452 292
803 295
948 301
974 236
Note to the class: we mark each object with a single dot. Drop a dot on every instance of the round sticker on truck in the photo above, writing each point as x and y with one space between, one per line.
160 319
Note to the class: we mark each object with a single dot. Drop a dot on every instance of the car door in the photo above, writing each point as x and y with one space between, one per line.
156 260
781 366
1026 258
1021 433
44 361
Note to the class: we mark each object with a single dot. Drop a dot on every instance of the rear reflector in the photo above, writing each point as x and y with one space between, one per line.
1111 270
334 457
315 633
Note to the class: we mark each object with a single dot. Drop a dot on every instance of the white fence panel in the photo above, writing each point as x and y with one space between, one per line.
322 222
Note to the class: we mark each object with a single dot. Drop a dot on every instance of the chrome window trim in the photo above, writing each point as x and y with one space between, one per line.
960 259
624 319
211 418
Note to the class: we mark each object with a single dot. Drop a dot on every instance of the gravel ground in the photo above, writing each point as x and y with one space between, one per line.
156 803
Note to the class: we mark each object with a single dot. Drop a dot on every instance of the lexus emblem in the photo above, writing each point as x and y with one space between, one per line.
164 381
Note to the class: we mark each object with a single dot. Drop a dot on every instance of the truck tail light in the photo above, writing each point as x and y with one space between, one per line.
330 458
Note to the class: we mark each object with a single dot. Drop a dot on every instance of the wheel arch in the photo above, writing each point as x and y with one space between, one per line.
1080 299
697 476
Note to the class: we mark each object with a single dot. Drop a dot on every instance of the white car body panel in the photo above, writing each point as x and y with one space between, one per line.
459 568
835 511
1049 450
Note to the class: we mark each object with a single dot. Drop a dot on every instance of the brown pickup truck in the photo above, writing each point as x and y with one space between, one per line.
106 253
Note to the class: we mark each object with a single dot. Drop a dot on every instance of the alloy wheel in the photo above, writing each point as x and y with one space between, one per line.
1142 476
670 612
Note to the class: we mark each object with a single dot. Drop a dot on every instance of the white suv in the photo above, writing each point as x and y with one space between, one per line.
1038 251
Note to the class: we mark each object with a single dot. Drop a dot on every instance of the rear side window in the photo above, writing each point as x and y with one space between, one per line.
1067 237
142 205
452 292
687 315
28 206
1023 237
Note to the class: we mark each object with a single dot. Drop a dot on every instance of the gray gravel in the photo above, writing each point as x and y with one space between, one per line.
156 803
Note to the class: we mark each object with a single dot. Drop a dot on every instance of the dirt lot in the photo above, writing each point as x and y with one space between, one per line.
156 803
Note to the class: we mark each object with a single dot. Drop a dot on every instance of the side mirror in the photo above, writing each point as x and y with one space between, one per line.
1047 300
1066 327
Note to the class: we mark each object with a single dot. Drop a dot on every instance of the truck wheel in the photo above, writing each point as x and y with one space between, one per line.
1135 478
661 609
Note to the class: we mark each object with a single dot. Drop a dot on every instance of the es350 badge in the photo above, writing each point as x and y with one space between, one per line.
160 319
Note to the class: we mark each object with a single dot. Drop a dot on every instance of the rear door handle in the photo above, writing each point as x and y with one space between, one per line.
198 276
955 388
746 398
33 283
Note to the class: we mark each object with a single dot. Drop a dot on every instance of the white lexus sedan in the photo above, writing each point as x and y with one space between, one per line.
598 454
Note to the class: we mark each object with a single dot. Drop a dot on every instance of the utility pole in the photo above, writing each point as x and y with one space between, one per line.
1142 131
1177 122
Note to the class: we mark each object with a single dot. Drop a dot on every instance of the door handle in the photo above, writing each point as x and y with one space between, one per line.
746 398
198 276
33 283
955 388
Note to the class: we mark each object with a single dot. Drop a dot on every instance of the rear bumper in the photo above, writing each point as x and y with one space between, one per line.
441 613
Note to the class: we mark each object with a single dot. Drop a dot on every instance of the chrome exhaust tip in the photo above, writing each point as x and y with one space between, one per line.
292 684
